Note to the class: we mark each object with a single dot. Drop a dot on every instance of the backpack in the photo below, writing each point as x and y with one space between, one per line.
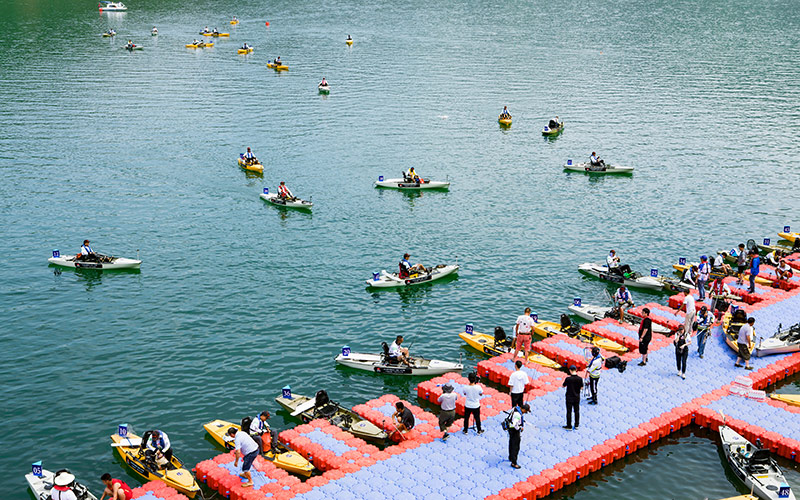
506 423
246 421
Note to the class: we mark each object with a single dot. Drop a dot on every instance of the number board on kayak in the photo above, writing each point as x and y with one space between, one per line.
392 371
418 280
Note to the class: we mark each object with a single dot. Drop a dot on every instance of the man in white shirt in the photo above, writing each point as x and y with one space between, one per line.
246 448
720 265
744 342
517 382
612 261
399 353
523 331
688 321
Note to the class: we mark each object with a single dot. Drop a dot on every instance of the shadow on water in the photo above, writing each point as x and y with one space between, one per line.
92 277
411 294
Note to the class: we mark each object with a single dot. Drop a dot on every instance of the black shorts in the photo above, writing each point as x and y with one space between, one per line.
741 269
744 351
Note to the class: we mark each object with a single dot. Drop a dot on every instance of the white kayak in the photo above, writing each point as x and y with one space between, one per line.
392 280
293 203
785 341
604 169
633 279
103 262
324 89
591 312
754 467
377 363
404 184
41 486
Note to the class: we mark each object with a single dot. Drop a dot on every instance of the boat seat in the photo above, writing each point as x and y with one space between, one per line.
388 358
500 338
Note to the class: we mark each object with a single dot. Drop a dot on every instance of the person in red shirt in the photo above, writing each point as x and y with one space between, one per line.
116 489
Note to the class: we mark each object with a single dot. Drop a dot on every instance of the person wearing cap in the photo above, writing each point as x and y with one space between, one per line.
517 382
743 343
623 300
783 271
682 340
594 369
645 335
755 267
284 192
472 402
612 262
690 307
403 418
158 441
116 489
62 486
246 448
259 427
447 402
719 264
515 428
86 252
704 321
249 157
741 262
574 384
703 273
523 330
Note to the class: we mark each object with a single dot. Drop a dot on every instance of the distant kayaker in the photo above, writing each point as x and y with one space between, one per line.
215 32
505 113
245 46
324 82
703 274
198 43
130 44
403 418
86 253
399 354
523 330
259 427
62 486
246 448
645 335
743 343
205 30
154 30
116 489
406 268
278 61
595 160
284 193
158 442
412 175
623 300
348 37
612 262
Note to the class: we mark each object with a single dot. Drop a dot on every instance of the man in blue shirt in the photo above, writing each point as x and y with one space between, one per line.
755 262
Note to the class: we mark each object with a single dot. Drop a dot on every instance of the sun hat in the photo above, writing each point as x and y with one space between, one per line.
62 481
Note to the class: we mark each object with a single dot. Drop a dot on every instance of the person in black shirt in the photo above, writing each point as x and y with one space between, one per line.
645 335
403 418
574 384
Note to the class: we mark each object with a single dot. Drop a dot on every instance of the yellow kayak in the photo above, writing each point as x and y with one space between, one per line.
504 120
176 477
348 42
235 21
245 51
731 331
199 46
683 267
255 167
109 34
790 236
742 497
286 459
485 343
550 328
215 34
277 67
789 399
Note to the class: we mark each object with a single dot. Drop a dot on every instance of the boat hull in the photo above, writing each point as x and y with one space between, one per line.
42 486
485 343
344 418
116 263
601 272
402 184
373 363
278 202
587 168
179 478
386 280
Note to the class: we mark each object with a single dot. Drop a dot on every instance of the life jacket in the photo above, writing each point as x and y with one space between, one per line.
404 267
283 190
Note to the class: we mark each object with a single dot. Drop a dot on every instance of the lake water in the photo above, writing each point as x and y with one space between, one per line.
235 298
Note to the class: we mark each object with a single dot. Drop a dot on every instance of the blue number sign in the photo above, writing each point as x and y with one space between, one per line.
569 162
576 301
766 242
376 276
380 178
266 190
346 351
56 253
787 229
468 329
535 317
654 273
682 261
122 430
36 468
286 392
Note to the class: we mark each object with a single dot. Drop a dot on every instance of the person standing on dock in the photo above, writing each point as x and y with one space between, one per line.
574 385
682 341
741 263
743 343
645 335
755 263
523 331
703 273
517 382
472 405
704 321
447 402
688 320
515 428
594 369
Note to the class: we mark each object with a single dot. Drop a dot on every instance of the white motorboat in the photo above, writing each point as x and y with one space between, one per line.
324 89
385 279
107 6
785 341
628 279
285 202
754 467
602 169
406 183
40 481
591 312
102 262
380 363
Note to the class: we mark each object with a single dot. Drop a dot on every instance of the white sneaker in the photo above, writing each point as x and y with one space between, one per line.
679 373
683 376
